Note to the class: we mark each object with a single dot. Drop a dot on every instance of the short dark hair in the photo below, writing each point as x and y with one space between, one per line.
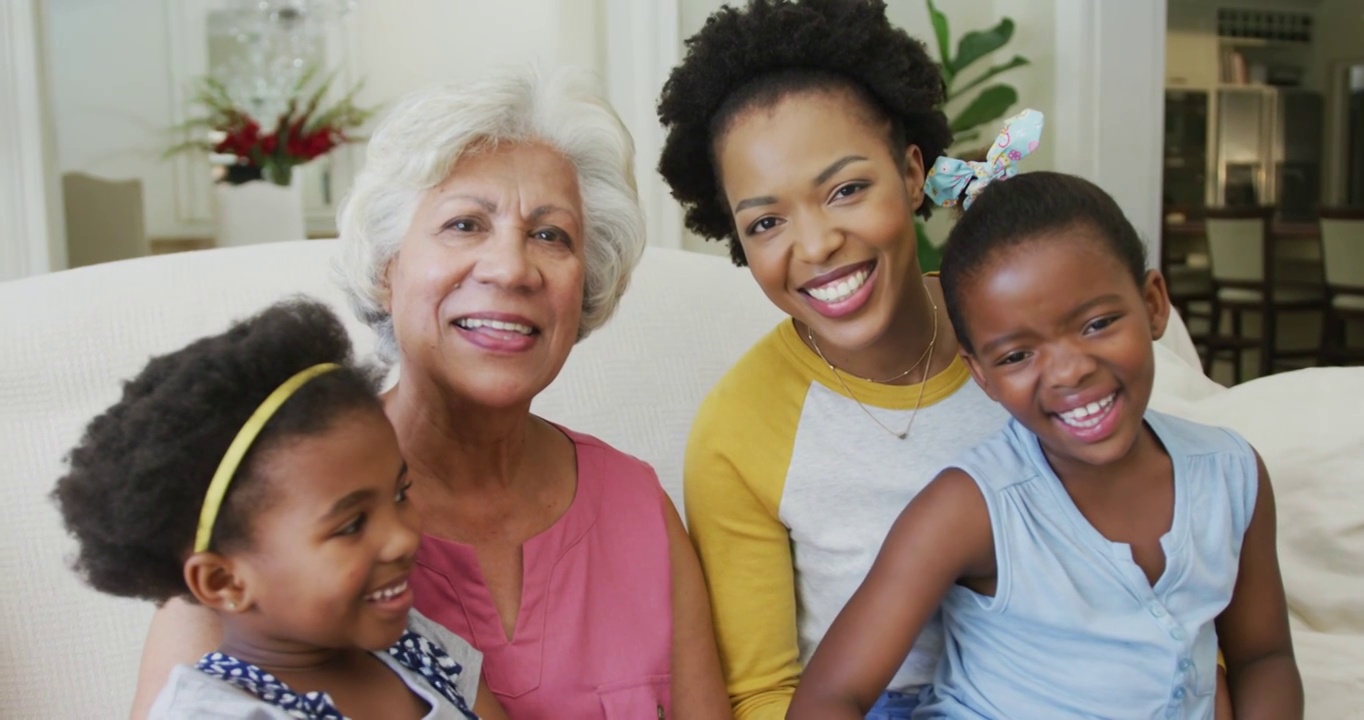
136 482
769 49
1031 206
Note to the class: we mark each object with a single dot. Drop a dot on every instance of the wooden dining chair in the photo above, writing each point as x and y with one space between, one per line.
1342 254
1241 252
1188 277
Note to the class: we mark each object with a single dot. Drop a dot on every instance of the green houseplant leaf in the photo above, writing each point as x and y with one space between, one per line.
979 43
930 257
944 35
988 106
1017 61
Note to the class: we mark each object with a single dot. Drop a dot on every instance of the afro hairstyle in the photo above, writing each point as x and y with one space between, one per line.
136 482
758 54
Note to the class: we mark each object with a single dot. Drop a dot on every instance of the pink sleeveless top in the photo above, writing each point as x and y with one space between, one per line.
594 635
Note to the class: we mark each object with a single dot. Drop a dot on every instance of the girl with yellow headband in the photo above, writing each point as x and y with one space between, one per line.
255 472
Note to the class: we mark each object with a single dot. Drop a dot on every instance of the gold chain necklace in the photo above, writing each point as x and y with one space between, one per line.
923 384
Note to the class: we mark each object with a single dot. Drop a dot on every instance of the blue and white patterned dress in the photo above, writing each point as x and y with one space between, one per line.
436 665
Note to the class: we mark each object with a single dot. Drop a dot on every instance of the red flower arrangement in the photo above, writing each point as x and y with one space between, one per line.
302 132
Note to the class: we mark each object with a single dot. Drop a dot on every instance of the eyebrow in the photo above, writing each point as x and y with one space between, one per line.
345 504
820 179
483 203
837 165
544 210
989 347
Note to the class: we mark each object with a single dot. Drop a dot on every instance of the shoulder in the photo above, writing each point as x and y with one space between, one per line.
598 458
191 694
1188 437
1001 460
767 374
455 646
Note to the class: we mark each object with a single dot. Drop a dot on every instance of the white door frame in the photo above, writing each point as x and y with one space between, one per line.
1109 121
31 231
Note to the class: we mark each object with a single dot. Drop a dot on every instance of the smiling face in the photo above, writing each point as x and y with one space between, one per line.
1062 339
329 557
486 291
824 212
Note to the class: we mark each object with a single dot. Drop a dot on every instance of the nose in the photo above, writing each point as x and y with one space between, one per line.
400 545
816 240
505 260
1067 365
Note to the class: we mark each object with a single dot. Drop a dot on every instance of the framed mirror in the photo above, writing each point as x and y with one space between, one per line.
259 49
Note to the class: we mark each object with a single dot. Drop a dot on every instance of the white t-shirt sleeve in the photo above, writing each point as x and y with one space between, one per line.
192 695
469 659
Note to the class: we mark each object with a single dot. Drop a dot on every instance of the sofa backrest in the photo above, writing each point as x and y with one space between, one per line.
71 338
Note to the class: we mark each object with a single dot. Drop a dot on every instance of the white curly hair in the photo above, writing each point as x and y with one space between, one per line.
418 144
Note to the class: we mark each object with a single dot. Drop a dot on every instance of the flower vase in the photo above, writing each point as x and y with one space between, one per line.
258 212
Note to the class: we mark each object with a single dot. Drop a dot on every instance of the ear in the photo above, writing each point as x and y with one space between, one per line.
977 373
217 582
386 285
914 174
1156 296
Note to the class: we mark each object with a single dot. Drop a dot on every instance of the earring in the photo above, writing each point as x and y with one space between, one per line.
231 605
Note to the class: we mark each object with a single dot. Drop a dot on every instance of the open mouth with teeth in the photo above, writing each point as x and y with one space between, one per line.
394 596
842 288
485 325
1092 421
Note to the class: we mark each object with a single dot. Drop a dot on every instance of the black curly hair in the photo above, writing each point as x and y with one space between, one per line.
1026 208
756 55
137 480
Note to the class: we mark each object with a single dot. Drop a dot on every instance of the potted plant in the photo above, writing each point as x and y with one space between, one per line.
256 197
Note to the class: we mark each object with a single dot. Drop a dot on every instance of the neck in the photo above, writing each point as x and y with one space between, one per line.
456 443
1074 473
244 641
906 341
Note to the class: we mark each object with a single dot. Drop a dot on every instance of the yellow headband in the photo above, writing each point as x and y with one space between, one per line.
217 488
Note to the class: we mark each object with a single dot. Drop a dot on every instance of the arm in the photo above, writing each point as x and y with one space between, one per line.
1253 630
486 706
943 536
698 688
1222 710
180 634
745 553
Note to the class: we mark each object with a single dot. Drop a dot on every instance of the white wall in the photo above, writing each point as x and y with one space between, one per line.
112 66
30 213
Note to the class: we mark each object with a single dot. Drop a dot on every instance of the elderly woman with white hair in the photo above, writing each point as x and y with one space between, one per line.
495 225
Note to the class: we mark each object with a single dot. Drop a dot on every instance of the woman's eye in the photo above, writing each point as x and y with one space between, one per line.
462 225
401 496
354 526
552 235
762 225
849 190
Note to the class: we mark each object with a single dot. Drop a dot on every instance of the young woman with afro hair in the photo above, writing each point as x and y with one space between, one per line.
799 133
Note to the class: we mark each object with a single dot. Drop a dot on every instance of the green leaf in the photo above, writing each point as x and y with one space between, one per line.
979 43
1017 61
988 106
944 35
969 136
930 257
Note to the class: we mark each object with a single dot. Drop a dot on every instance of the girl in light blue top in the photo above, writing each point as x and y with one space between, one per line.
1091 557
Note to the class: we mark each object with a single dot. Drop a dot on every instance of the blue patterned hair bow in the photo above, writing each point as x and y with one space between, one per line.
951 180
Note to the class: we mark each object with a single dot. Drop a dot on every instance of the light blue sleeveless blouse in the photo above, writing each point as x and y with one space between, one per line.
1075 630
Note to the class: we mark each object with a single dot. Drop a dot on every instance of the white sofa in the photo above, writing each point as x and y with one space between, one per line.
70 338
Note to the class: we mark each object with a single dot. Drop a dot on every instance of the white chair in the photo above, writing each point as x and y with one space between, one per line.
1342 252
1241 251
104 219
